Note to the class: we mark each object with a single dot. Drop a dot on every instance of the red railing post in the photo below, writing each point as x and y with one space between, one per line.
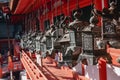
83 69
102 69
27 76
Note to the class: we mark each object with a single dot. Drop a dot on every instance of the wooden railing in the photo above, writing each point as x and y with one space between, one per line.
33 71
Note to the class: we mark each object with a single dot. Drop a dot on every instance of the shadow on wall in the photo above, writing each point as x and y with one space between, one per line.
113 72
92 72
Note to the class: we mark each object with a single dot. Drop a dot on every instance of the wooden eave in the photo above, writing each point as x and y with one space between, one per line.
13 4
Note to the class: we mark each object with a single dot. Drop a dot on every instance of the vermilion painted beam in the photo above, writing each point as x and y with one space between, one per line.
22 4
100 4
30 6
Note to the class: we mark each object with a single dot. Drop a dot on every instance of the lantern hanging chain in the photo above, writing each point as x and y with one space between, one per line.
8 31
46 13
37 8
77 4
24 24
92 9
102 32
116 2
52 9
46 10
61 6
38 11
56 12
27 23
30 21
37 17
32 18
68 6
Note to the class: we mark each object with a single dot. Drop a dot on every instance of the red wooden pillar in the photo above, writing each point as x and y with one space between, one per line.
15 53
1 62
41 24
1 72
99 5
10 63
102 69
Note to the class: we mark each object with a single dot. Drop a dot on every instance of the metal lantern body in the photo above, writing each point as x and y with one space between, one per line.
50 37
100 44
43 44
76 26
70 49
37 42
48 42
88 45
110 32
109 29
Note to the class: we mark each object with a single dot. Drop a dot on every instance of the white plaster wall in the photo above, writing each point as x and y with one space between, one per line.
113 72
92 72
78 68
23 75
